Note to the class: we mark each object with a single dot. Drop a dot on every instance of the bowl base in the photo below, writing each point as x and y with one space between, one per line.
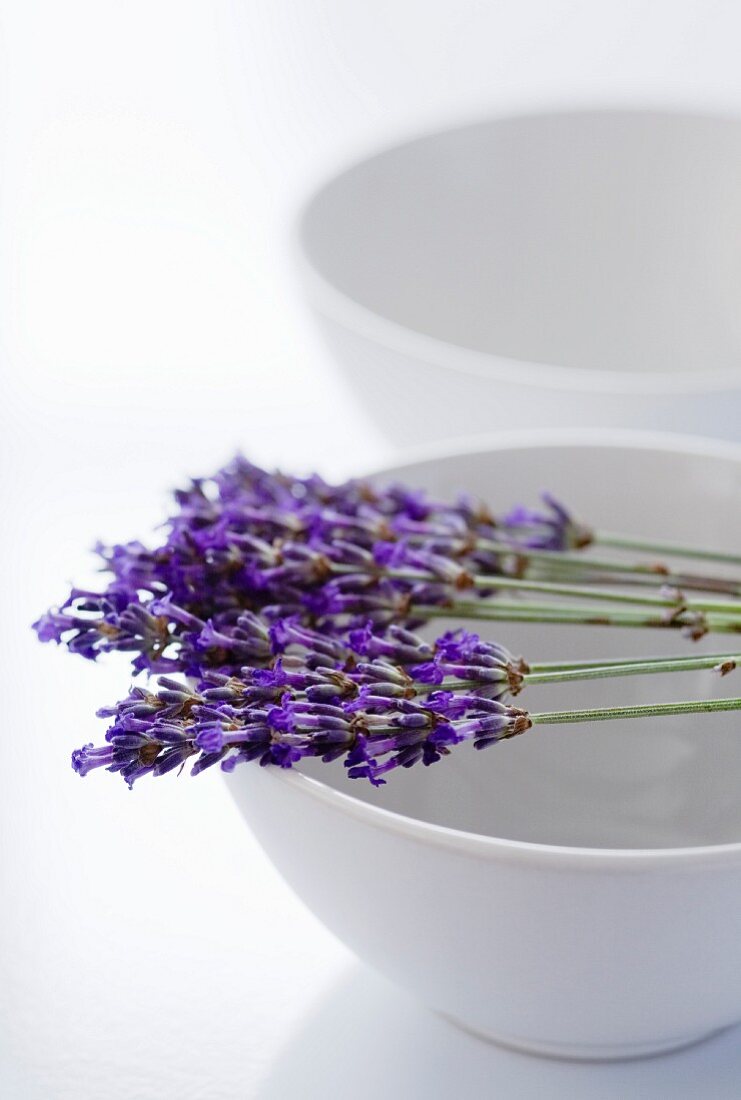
586 1052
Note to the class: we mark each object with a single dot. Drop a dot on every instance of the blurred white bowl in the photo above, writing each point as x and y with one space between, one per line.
572 269
576 891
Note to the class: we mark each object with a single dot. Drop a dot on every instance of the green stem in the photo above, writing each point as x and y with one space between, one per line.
729 607
644 578
624 542
593 671
500 611
501 583
635 573
558 666
635 668
648 710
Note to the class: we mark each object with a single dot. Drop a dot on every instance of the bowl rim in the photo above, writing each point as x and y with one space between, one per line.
492 847
336 305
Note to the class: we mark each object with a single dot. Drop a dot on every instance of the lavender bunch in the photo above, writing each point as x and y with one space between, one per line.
378 702
249 540
338 556
292 604
316 698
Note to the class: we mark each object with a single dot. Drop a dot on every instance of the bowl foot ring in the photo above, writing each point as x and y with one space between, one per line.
587 1052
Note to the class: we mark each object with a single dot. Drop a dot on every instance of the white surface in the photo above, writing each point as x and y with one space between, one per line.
151 153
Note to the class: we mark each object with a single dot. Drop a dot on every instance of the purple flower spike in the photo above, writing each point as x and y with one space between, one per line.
554 529
378 714
247 545
317 699
396 644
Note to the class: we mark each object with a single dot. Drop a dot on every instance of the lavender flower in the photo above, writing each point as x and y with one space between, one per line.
316 699
554 529
246 542
92 622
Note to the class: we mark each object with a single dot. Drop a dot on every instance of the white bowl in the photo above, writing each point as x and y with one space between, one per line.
574 269
576 891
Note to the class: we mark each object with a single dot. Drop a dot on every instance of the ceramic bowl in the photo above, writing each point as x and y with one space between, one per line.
575 269
576 891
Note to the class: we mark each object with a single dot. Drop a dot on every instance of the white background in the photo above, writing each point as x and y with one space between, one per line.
153 155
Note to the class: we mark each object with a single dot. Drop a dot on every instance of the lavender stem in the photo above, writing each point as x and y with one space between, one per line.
634 668
647 710
501 611
723 607
624 542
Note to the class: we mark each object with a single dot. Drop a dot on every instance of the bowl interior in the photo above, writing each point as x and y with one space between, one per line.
665 782
604 240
